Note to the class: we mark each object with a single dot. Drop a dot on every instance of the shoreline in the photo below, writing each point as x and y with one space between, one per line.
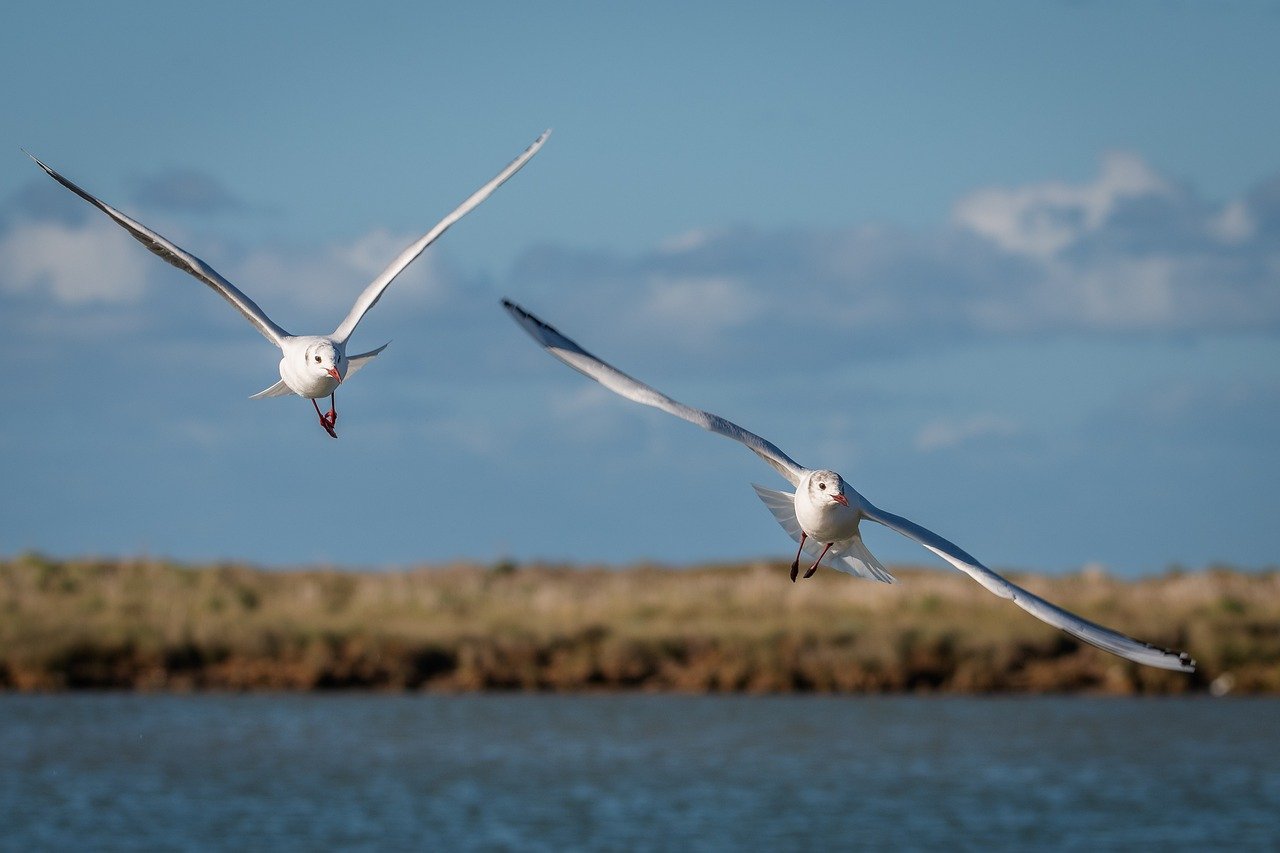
154 626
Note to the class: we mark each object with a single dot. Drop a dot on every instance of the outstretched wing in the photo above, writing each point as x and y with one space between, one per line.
622 384
373 292
181 259
1076 626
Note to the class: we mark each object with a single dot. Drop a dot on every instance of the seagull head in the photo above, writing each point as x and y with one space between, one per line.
827 487
324 358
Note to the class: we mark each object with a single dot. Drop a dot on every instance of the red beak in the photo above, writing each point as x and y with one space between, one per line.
333 371
840 499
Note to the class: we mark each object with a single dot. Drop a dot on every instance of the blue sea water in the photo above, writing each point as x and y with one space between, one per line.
636 772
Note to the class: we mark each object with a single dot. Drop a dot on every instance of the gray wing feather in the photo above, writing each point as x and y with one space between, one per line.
180 258
633 389
371 294
1076 626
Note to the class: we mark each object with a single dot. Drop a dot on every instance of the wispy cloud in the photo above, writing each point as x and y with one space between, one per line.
77 261
1043 219
319 284
697 308
948 434
73 264
1126 252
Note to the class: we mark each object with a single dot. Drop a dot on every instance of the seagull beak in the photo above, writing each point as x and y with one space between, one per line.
840 499
333 371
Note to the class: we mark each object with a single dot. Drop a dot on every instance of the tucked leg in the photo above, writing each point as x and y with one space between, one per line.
795 564
814 567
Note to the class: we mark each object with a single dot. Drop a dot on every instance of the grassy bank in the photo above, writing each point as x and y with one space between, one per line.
152 625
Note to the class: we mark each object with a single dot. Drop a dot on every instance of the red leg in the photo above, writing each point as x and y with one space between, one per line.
814 567
795 564
333 411
324 420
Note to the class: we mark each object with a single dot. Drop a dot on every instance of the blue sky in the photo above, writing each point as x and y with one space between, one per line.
1013 269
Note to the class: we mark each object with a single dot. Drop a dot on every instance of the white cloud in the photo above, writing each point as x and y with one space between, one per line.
1234 224
584 411
74 264
324 282
1123 293
1125 252
695 238
78 264
1042 219
698 307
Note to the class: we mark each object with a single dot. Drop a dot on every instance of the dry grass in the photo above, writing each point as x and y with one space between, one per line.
155 625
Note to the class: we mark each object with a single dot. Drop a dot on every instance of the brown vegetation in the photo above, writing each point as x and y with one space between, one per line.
152 625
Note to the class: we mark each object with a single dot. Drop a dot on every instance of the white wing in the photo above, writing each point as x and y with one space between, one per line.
181 259
355 362
373 292
278 390
622 384
1076 626
850 556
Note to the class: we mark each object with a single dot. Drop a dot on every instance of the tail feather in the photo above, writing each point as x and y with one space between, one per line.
854 552
850 556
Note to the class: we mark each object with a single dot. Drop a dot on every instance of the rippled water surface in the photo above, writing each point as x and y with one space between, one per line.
635 772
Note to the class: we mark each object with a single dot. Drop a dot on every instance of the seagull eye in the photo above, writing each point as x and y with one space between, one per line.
317 358
822 486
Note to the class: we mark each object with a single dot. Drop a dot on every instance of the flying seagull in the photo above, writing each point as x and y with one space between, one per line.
824 511
311 366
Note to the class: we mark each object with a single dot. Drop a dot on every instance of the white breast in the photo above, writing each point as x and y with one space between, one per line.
825 521
305 382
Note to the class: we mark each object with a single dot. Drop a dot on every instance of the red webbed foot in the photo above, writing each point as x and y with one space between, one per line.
327 420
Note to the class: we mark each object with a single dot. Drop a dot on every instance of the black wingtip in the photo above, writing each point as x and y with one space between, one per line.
520 312
514 310
545 327
35 159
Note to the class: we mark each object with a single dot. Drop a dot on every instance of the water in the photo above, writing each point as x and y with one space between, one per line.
635 772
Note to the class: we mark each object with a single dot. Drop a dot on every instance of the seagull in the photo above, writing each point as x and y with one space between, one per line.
825 511
311 366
